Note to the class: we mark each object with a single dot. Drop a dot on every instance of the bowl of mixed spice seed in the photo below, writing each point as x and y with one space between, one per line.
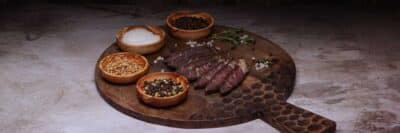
123 67
162 89
190 25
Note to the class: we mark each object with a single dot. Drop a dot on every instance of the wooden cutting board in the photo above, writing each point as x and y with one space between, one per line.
262 94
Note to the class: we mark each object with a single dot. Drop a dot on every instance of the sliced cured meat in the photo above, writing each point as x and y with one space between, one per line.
200 70
185 63
200 83
189 69
185 52
184 56
234 78
219 78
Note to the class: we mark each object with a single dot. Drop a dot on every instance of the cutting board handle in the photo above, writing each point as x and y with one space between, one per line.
289 118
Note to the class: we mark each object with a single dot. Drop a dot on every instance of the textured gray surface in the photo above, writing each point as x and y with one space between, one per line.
348 66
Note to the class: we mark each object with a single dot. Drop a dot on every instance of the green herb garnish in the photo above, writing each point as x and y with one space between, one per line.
234 36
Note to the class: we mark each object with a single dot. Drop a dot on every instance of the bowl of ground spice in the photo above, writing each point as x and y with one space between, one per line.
190 25
162 89
123 67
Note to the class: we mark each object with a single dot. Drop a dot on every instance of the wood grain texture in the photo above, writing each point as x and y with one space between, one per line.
261 95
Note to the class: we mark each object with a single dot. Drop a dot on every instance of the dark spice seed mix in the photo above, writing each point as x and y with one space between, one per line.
162 87
190 23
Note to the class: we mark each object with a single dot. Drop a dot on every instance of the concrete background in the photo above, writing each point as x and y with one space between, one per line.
348 65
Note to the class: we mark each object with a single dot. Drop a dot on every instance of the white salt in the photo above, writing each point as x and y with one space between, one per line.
200 44
140 36
159 58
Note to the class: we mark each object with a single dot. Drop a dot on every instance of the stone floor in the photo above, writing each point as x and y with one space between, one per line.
348 65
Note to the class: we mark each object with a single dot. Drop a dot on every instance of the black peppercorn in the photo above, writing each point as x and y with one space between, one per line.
190 23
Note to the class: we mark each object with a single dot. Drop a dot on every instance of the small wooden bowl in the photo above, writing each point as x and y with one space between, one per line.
189 34
162 101
123 79
141 49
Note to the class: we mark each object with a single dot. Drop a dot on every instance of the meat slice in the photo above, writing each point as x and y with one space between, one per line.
185 52
200 70
234 78
188 69
200 83
185 63
178 59
219 78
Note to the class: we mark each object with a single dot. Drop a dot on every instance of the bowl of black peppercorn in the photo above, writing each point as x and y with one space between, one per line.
190 25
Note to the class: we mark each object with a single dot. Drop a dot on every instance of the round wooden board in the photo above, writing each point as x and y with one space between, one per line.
251 100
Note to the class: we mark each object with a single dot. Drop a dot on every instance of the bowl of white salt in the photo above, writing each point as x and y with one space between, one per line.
142 39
